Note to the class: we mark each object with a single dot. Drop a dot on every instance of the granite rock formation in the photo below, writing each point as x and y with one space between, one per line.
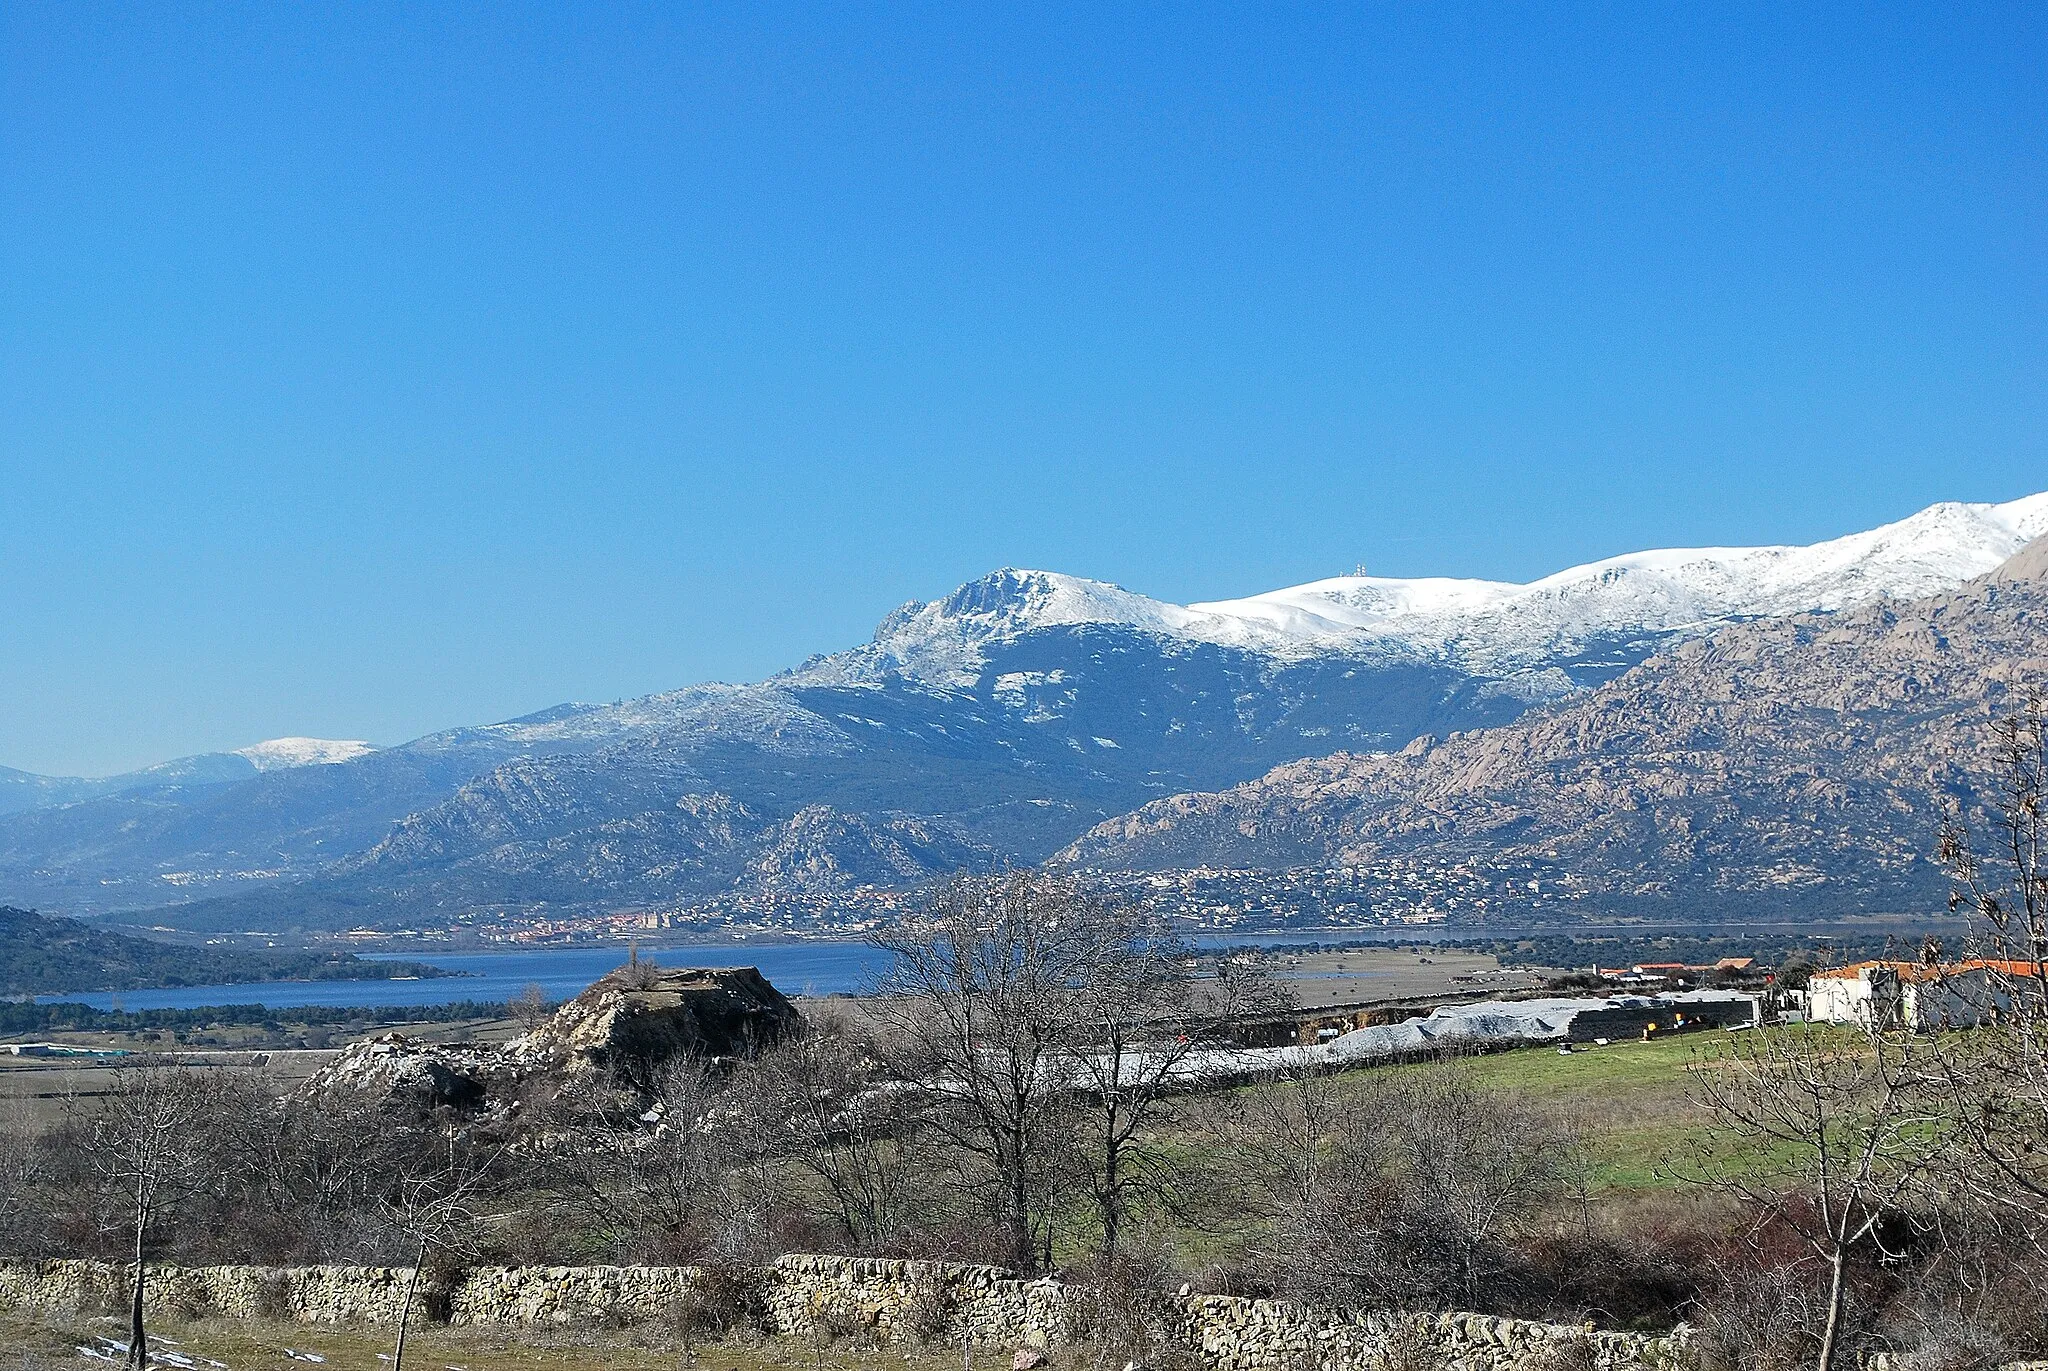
1797 764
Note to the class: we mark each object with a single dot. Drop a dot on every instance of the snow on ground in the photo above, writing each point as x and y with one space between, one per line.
162 1352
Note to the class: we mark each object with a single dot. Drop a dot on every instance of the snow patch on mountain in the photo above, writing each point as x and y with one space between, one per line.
278 753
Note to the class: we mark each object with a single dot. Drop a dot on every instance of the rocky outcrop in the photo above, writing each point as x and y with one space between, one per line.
2030 563
411 1076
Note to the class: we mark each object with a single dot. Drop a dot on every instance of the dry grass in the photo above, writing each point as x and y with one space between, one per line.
50 1344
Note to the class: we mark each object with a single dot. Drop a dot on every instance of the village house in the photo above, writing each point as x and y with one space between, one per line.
1913 995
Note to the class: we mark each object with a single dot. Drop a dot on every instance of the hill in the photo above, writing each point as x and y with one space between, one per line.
53 956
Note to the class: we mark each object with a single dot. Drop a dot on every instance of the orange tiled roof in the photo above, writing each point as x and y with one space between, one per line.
1918 972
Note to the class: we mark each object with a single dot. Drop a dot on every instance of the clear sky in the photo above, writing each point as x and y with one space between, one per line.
370 369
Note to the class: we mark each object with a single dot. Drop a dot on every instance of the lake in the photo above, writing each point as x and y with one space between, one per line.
796 968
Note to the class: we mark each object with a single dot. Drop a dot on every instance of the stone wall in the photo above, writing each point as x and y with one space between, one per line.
809 1296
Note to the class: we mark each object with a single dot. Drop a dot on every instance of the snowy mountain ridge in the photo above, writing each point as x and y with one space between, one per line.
1526 642
1492 627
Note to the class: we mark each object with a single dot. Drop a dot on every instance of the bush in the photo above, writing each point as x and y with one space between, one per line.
1967 1347
1125 1317
723 1298
1409 1347
1759 1317
1615 1282
1575 1352
927 1312
272 1298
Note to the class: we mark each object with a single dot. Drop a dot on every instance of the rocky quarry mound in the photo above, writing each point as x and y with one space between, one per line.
642 1015
618 1033
414 1077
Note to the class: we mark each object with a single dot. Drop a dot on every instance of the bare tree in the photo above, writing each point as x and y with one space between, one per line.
829 1110
1407 1183
1483 1164
645 1176
142 1139
435 1206
303 1175
1148 1029
24 1170
1281 1148
530 1008
1821 1130
977 1009
1996 1078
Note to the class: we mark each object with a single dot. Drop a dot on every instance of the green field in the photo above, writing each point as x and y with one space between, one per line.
1629 1098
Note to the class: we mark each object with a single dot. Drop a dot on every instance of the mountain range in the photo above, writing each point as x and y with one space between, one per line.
1799 766
999 724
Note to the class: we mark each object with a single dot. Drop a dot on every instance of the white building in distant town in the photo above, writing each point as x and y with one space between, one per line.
1913 995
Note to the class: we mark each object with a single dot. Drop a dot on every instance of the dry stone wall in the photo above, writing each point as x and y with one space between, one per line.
809 1296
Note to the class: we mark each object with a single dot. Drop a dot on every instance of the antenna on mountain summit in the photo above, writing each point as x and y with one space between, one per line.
1358 570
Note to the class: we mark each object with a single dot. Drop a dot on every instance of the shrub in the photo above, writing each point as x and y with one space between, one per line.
1121 1312
1759 1318
191 1300
272 1297
1575 1352
927 1311
723 1298
1409 1347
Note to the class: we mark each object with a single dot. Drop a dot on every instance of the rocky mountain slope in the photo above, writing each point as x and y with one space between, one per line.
1796 764
994 725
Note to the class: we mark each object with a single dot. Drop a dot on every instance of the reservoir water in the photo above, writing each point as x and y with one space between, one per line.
812 967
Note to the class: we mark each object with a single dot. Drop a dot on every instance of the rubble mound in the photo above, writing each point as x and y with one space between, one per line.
613 1036
643 1015
405 1073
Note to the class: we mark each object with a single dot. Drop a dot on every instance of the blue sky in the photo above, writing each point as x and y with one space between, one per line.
370 369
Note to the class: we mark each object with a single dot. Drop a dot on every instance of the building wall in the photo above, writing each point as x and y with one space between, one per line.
1838 999
1957 1000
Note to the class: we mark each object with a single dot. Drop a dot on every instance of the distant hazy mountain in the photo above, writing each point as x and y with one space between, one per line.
21 790
997 724
1799 765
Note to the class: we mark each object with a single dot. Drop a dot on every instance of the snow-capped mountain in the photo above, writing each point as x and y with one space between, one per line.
1486 627
1791 766
996 724
21 790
